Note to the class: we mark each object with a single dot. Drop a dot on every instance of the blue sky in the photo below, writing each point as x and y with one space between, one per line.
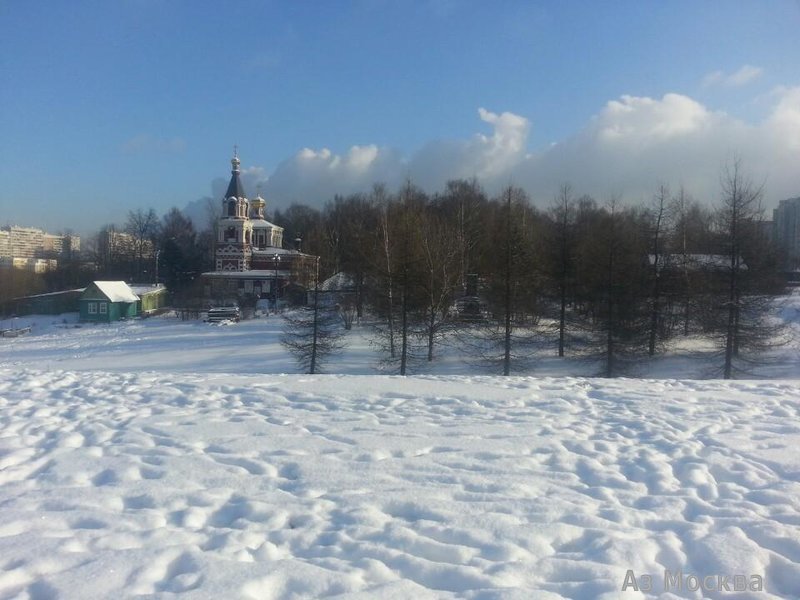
109 106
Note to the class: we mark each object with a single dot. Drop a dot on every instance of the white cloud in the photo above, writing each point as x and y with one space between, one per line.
505 145
483 156
635 142
627 148
649 121
313 176
785 118
746 74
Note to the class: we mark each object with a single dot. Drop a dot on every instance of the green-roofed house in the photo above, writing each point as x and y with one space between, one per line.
107 301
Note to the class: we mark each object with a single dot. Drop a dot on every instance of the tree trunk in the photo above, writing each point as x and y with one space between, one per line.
507 337
313 366
403 329
388 256
562 318
610 335
730 332
431 325
651 346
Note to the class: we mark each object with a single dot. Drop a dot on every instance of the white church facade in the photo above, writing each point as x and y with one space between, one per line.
249 257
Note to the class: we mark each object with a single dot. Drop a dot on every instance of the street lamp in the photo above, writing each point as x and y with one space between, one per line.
277 258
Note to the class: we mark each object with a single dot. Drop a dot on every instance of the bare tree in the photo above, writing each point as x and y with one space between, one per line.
686 278
562 254
500 340
142 226
657 218
462 203
680 209
351 224
748 286
312 334
440 262
613 286
382 200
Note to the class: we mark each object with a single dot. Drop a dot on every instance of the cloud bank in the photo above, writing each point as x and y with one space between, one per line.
636 142
630 146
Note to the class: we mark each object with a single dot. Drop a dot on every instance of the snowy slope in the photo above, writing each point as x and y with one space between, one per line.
119 485
161 458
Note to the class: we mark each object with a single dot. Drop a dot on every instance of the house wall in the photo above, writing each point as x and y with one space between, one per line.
153 301
50 304
114 311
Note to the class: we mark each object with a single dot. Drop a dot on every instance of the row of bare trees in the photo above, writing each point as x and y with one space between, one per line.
606 282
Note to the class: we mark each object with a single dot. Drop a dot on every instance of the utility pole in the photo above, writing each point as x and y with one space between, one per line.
277 258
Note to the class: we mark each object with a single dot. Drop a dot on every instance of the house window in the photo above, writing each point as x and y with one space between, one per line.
92 308
103 308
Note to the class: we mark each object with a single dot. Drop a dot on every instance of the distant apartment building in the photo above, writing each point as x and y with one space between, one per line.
34 250
786 228
116 245
5 244
61 245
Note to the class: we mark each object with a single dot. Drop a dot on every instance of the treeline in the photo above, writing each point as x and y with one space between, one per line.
500 277
146 248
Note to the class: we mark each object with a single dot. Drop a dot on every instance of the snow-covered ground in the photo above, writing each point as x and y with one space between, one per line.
167 344
162 458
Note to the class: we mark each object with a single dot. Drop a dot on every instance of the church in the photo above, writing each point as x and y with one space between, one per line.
250 261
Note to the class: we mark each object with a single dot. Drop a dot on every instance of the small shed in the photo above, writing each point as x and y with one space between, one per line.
107 301
152 297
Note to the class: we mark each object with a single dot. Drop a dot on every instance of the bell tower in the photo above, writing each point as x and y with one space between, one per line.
234 235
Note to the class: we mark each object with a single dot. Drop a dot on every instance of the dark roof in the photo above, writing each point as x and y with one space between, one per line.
235 187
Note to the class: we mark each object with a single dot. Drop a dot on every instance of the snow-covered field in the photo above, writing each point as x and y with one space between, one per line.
163 458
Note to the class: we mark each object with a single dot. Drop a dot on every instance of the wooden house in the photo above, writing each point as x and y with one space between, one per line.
107 301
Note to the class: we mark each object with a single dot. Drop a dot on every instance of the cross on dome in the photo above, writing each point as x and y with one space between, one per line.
235 162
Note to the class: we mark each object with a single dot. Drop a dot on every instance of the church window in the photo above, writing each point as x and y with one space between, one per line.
230 234
232 208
